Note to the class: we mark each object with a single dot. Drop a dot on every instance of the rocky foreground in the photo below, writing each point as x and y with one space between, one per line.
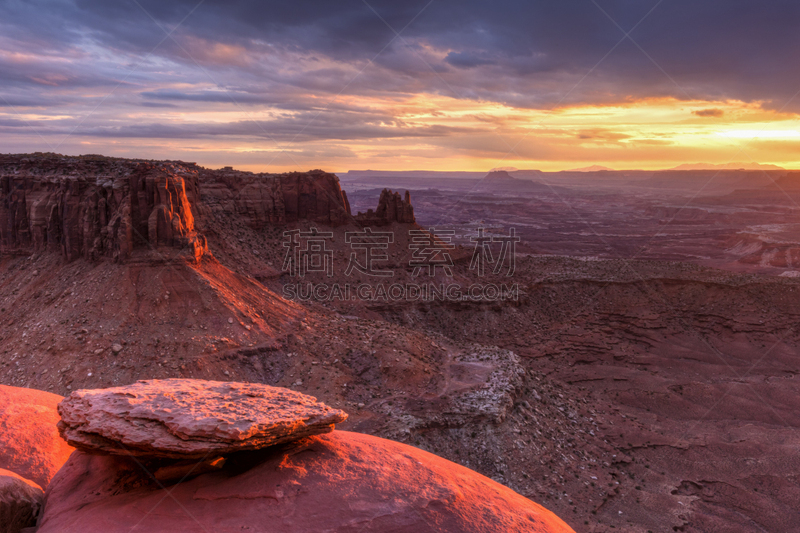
624 395
338 481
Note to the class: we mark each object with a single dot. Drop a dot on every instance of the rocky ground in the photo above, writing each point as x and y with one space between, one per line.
198 456
624 396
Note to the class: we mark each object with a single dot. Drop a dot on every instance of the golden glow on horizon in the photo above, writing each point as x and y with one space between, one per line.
435 132
760 134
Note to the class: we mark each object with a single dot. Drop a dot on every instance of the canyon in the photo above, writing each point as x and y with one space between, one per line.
634 384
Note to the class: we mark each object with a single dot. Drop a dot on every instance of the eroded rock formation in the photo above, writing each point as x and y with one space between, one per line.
94 206
262 199
20 502
391 208
188 418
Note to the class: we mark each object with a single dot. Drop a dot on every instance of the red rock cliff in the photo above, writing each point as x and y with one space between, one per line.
263 199
94 207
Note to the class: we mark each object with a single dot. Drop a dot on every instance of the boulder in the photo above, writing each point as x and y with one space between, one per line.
189 418
20 502
29 442
339 482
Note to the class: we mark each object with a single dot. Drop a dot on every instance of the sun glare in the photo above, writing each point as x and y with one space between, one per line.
760 134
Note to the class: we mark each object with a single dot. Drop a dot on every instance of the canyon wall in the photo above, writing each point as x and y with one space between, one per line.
95 206
262 199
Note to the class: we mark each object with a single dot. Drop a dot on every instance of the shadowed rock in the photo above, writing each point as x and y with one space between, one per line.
20 501
391 208
187 418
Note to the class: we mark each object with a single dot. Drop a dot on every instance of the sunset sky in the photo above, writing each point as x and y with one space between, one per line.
440 85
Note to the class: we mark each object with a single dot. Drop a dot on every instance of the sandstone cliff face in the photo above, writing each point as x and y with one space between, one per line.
262 199
94 207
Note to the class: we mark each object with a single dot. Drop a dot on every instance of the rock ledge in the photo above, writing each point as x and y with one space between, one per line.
187 418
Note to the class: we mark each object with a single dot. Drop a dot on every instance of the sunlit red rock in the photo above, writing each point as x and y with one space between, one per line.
29 442
184 418
94 206
338 482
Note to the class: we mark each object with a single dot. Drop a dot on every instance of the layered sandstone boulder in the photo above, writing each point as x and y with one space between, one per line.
29 441
331 483
188 418
20 502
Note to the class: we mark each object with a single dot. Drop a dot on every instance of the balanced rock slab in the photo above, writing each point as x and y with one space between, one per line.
341 482
20 502
29 442
190 418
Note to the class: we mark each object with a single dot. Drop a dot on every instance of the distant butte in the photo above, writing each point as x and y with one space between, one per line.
727 166
498 175
593 168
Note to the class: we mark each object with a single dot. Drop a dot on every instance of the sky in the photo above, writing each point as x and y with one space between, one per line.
432 84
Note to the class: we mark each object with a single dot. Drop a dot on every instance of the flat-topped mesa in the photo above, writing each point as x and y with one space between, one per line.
190 418
96 207
499 175
262 199
391 208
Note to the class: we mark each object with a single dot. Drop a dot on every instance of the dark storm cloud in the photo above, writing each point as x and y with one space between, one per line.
325 126
523 53
467 60
209 96
709 112
278 130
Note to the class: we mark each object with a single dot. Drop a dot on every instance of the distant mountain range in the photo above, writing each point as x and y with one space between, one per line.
593 168
727 166
510 173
